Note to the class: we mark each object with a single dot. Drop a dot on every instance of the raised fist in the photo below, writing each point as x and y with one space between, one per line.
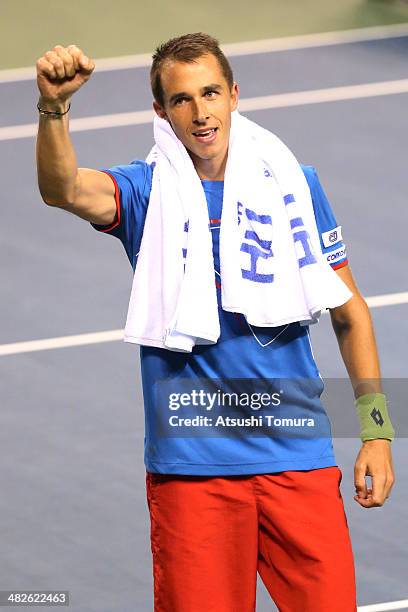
61 72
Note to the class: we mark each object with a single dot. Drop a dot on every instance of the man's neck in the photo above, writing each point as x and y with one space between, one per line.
211 169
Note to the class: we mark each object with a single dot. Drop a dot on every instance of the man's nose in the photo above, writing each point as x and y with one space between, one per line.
200 113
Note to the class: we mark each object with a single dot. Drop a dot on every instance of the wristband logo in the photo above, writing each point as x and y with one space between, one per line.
377 417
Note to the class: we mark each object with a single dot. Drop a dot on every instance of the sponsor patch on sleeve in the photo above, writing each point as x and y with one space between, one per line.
331 237
337 255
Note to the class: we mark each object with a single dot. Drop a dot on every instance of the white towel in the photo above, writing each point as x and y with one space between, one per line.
272 267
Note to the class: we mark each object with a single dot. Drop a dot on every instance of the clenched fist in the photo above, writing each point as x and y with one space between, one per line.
61 72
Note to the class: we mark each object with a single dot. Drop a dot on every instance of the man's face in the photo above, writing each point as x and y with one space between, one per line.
198 104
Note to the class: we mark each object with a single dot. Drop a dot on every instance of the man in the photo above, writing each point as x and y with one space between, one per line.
222 507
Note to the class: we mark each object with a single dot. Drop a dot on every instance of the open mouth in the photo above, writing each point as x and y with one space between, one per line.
206 135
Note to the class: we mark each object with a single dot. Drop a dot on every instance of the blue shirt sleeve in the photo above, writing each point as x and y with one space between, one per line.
132 191
330 233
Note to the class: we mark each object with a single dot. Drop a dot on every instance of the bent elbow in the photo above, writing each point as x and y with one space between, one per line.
47 200
53 200
351 313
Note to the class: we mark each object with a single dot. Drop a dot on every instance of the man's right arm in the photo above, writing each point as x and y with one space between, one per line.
87 193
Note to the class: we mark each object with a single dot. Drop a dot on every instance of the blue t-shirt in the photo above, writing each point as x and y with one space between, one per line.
186 430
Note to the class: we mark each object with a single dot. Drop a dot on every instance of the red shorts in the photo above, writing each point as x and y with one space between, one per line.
210 536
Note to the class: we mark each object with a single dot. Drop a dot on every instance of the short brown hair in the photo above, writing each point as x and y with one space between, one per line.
186 48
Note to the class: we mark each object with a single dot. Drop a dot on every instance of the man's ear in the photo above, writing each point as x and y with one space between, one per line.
234 96
159 110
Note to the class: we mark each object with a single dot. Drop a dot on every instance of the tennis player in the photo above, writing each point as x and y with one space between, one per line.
225 503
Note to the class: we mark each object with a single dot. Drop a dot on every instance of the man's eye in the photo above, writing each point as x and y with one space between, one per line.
179 101
211 94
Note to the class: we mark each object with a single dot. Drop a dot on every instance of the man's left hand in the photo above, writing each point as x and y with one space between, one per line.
375 460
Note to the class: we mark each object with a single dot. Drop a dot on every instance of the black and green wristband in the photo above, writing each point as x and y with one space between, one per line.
375 422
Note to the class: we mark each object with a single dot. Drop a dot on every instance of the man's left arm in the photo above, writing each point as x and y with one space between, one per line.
353 327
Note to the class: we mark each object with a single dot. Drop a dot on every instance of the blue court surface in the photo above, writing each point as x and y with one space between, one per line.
73 511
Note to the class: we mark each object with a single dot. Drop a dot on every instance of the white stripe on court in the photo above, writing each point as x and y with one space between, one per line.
114 335
402 604
250 47
390 299
286 100
61 342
